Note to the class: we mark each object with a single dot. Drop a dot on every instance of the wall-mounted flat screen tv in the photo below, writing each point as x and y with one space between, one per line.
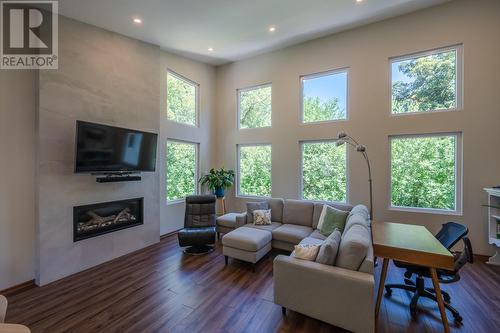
107 149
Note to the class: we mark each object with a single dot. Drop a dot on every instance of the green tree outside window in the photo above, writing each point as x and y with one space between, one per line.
181 170
181 100
255 170
255 107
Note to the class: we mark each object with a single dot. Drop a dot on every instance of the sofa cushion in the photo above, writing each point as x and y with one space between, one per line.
248 239
329 249
305 251
358 215
316 234
318 208
251 206
268 227
331 219
312 241
298 212
227 220
262 217
291 233
354 247
276 206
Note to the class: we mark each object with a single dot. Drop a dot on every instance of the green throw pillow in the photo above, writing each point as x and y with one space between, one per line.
332 219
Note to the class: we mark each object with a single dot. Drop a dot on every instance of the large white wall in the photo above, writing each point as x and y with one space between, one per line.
366 51
172 214
17 172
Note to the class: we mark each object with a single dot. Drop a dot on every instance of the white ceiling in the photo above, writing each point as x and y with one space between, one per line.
236 29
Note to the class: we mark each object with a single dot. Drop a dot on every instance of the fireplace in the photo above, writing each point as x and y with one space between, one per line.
102 218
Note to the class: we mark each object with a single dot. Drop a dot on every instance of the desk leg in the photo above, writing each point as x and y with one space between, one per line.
381 285
439 297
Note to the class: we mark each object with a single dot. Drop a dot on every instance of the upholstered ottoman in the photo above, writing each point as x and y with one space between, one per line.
247 244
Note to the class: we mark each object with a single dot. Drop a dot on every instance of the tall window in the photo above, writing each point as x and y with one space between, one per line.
426 172
254 107
428 81
324 171
324 96
182 169
182 99
254 170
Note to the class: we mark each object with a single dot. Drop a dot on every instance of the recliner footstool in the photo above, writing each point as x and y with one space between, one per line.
247 244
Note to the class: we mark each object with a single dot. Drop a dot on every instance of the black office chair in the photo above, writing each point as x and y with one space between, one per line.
449 235
198 234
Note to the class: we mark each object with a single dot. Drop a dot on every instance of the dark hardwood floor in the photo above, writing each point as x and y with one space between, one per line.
159 289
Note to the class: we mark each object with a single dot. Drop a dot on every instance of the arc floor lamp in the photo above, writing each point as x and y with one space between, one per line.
344 138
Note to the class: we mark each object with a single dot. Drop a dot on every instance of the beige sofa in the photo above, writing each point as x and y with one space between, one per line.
340 296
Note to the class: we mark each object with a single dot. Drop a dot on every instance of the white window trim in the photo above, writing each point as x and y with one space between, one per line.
458 211
197 99
238 156
458 48
197 169
301 171
238 97
345 70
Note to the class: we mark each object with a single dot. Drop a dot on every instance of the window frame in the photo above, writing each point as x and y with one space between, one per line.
197 168
238 193
197 98
301 171
458 211
318 75
238 105
459 95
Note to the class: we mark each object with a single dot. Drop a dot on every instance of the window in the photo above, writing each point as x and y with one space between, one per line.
324 97
324 171
254 170
426 172
254 107
182 169
182 100
427 81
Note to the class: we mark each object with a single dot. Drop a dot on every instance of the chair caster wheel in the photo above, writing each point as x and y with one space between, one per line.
388 292
458 318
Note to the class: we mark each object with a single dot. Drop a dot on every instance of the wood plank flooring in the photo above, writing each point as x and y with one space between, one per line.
159 289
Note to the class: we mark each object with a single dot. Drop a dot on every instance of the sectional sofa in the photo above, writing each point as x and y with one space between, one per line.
340 295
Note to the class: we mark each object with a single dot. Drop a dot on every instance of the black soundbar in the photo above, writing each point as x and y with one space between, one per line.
114 179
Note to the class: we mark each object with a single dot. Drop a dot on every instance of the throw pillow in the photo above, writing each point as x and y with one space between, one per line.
251 206
306 251
262 216
331 219
328 250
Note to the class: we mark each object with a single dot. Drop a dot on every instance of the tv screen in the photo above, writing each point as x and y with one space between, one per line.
102 149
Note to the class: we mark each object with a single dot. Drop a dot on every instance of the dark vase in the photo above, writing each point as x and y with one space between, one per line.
219 192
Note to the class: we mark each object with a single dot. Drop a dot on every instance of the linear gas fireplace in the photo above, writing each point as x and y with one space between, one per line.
102 218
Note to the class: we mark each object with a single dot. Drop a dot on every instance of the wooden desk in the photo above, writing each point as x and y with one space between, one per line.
413 244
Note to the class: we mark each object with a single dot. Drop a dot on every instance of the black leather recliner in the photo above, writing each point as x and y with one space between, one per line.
199 224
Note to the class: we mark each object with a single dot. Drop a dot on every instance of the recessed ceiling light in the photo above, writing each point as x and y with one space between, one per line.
359 0
210 49
137 20
272 29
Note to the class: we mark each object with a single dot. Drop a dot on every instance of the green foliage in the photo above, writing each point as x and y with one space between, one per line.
431 84
220 178
181 100
324 172
255 170
316 110
423 172
181 170
255 107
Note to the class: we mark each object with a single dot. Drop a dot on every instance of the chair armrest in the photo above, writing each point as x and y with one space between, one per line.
241 219
328 293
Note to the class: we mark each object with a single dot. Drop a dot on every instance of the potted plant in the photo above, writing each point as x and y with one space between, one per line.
218 180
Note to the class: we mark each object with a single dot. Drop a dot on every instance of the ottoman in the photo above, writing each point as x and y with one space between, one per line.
247 244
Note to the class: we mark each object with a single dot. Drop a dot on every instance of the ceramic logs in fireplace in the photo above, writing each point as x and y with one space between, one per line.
102 218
